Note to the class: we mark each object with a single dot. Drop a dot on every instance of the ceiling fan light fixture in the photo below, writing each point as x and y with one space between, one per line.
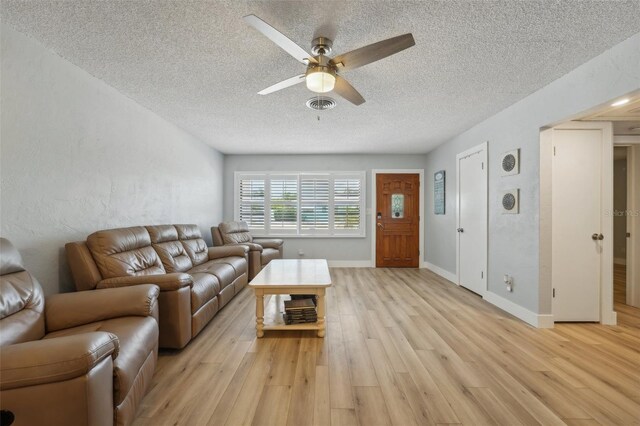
320 79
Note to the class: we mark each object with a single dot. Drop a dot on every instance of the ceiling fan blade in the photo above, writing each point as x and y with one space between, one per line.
283 84
373 52
280 39
346 90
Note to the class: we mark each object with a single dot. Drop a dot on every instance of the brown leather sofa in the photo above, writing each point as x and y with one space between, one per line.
261 250
195 281
78 359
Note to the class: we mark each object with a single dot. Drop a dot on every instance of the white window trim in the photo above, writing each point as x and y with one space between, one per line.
332 233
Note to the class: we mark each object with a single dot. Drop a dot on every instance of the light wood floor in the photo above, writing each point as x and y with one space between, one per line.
403 347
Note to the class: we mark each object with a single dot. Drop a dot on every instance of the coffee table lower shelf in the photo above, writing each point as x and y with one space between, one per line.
270 318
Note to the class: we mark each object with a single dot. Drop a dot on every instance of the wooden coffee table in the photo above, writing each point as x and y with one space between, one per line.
291 276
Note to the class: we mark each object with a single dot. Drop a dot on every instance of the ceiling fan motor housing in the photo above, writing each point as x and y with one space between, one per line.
321 46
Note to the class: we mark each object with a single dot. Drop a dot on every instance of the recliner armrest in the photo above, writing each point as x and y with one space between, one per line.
227 251
54 360
68 310
250 246
275 243
166 282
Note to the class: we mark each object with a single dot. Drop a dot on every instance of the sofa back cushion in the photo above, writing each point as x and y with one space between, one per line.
21 299
193 243
235 232
174 257
124 251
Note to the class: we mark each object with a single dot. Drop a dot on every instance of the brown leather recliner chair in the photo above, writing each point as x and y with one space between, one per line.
261 250
78 359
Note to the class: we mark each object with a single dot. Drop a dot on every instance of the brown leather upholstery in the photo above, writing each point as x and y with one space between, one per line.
81 358
176 258
124 251
261 251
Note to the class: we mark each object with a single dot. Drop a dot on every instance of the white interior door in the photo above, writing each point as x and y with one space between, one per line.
576 224
472 219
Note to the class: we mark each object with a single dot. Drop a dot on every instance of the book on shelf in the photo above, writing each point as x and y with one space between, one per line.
313 297
300 310
298 320
299 304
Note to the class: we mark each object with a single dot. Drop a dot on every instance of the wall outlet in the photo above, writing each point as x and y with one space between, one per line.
300 253
508 280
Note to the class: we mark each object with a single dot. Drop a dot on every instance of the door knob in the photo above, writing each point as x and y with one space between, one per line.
460 229
381 226
597 237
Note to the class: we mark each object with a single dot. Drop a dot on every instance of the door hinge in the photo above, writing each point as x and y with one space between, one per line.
482 274
554 151
628 234
483 165
554 292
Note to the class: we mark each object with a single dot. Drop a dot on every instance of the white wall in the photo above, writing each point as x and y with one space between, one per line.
514 239
343 249
78 156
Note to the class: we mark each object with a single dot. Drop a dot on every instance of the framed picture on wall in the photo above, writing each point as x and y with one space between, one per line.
439 192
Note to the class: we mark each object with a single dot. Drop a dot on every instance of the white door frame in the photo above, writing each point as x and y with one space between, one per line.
632 143
607 314
372 216
482 149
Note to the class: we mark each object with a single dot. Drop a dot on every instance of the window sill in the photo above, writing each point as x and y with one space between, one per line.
286 236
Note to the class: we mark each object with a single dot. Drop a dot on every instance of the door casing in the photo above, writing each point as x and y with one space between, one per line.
372 210
481 150
633 223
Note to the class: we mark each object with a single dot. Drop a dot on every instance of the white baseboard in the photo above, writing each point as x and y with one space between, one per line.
349 263
442 272
620 260
609 318
536 320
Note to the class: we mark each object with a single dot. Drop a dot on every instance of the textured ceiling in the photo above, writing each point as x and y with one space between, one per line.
199 65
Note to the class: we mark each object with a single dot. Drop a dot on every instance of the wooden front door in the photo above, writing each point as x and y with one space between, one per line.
397 220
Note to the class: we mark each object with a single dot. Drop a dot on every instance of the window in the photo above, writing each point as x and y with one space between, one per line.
301 204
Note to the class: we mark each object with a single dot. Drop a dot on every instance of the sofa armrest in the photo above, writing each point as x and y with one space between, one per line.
275 243
68 310
54 360
227 251
250 246
166 282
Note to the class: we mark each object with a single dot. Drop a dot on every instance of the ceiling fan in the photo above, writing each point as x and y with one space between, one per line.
322 75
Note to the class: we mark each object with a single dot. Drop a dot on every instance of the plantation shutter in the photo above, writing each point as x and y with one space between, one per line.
314 204
252 202
284 204
347 202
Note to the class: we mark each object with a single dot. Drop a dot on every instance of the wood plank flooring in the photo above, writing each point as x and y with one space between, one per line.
403 347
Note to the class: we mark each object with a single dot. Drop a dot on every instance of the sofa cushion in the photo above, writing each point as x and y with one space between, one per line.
124 251
174 257
239 264
162 233
21 308
235 232
205 287
193 243
138 337
222 271
268 254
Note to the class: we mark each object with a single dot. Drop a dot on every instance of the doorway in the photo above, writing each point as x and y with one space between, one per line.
626 217
397 218
472 218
